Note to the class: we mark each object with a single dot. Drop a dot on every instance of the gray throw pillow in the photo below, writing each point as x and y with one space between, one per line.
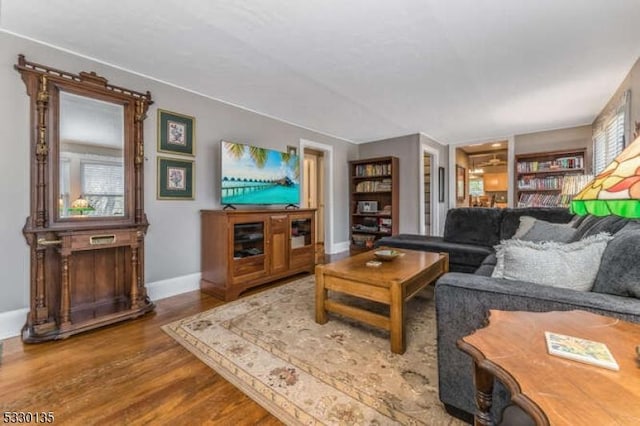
532 229
619 272
573 265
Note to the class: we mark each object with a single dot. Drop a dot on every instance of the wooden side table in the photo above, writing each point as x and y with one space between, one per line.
553 390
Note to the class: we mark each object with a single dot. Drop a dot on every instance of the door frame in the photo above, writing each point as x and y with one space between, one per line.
435 208
328 188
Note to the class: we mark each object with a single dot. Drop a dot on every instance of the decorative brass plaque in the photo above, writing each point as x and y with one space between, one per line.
102 239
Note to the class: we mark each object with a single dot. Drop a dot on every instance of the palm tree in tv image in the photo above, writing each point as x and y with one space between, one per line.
258 155
235 150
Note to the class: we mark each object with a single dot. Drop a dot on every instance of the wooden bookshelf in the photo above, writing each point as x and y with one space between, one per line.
540 177
374 205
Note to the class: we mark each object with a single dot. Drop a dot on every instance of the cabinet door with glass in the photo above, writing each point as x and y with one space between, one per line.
302 238
249 259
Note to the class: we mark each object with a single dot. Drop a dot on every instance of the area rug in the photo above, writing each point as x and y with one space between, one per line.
342 372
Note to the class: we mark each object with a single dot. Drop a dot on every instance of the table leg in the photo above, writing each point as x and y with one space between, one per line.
484 394
396 311
321 296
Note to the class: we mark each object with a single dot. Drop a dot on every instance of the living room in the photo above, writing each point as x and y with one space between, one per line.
173 239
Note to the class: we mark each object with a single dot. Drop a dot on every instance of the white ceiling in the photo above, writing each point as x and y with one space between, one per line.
362 70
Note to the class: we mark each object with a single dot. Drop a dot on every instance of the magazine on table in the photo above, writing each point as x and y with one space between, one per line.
582 350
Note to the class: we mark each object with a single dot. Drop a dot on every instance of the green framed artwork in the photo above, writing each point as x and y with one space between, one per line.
175 179
176 133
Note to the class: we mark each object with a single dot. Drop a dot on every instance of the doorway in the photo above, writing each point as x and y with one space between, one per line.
484 179
313 189
427 160
429 196
316 162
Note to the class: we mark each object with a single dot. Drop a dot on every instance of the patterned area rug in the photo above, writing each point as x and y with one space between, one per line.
270 347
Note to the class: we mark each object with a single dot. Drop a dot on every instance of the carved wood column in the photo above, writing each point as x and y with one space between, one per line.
140 115
134 277
42 151
65 299
142 289
39 298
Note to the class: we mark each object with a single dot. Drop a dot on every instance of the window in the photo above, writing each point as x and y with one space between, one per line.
476 187
103 187
609 135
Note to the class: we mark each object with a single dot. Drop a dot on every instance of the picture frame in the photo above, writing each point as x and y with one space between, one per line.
367 206
292 150
461 183
175 179
441 184
176 133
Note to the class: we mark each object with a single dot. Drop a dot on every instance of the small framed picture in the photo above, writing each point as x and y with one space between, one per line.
175 133
292 150
175 179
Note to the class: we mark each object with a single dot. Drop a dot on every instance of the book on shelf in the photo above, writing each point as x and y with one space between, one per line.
365 170
573 184
374 186
540 200
547 182
581 350
571 162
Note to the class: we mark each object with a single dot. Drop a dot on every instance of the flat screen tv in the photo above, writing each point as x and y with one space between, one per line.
253 175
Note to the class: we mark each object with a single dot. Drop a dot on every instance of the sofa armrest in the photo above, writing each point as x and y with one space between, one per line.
462 303
462 257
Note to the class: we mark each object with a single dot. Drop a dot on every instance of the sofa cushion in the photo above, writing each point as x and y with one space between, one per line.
577 220
593 225
573 265
511 218
532 229
609 224
619 272
585 224
487 266
473 225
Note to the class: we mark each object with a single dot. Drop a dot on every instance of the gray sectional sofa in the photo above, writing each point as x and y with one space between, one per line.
471 233
465 295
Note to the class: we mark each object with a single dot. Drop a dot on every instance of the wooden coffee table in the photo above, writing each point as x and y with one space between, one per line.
554 390
392 283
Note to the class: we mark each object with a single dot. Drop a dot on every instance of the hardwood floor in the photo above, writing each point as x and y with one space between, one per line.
130 373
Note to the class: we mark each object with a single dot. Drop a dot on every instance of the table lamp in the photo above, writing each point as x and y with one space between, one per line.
81 205
616 190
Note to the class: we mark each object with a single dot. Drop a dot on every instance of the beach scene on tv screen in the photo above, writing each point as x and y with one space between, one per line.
253 175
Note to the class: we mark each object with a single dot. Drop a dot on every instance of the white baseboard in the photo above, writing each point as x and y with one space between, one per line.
339 247
11 322
166 288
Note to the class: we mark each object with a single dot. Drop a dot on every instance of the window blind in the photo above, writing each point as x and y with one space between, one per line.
609 135
102 179
103 187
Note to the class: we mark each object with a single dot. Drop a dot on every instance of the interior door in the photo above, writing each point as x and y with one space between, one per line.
313 189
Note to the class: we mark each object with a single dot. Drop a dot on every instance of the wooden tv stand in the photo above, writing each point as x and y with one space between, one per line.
245 248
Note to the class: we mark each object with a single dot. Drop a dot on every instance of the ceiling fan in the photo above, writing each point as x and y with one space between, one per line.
493 162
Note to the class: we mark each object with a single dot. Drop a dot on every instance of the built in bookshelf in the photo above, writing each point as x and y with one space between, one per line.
373 194
550 179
